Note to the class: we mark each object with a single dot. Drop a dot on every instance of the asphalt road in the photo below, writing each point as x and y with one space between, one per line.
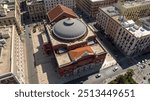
108 73
105 74
32 76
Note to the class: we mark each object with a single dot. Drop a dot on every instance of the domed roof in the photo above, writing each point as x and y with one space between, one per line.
69 29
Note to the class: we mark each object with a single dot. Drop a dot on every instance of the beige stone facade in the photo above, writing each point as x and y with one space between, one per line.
134 10
12 56
36 10
90 7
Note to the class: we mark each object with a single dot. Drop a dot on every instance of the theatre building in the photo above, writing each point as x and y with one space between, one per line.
75 47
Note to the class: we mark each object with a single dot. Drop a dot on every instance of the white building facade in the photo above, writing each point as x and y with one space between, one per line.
131 37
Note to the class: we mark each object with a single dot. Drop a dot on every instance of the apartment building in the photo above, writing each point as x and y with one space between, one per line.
90 7
10 13
12 55
134 9
36 10
50 4
130 36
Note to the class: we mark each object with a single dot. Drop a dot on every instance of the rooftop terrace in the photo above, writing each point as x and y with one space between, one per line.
66 58
135 3
137 29
140 29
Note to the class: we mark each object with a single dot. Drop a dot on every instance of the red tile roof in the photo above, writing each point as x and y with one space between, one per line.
79 52
58 11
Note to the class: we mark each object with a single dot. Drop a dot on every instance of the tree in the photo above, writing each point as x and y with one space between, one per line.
130 72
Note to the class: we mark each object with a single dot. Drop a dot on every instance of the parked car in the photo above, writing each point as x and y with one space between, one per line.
29 35
116 68
98 75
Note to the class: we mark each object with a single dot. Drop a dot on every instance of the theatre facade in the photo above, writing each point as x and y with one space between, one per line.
75 46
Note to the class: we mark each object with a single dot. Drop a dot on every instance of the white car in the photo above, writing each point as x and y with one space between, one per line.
116 68
98 75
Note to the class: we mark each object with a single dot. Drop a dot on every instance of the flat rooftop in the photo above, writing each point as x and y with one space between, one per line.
10 6
65 58
97 48
9 15
129 4
137 29
111 10
5 52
